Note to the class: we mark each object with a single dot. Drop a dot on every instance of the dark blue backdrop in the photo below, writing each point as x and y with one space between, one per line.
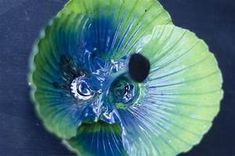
22 134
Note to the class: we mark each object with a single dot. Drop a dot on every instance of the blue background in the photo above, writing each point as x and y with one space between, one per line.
22 134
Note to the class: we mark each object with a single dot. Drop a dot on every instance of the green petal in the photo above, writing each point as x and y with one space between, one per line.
179 99
148 11
54 106
132 19
98 139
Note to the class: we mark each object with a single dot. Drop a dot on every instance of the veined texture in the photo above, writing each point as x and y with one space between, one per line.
83 92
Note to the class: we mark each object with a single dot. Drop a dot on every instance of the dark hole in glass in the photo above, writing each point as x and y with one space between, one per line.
139 67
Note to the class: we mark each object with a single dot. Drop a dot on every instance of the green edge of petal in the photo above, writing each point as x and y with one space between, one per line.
33 88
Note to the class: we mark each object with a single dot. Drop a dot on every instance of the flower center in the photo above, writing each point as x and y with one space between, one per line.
123 92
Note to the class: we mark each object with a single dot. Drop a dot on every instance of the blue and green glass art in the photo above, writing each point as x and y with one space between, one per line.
118 78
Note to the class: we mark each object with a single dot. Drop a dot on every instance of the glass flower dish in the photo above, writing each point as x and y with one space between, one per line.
117 77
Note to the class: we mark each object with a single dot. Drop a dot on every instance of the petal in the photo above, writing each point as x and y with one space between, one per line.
131 20
54 64
180 98
98 139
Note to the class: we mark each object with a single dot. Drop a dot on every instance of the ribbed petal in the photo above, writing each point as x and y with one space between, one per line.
98 139
179 99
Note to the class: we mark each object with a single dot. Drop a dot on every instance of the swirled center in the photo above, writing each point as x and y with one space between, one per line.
81 89
123 92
